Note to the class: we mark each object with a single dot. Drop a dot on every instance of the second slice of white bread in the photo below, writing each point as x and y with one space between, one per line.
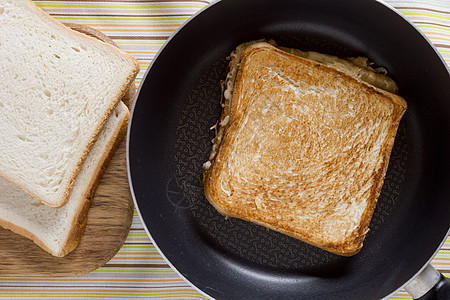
57 89
58 230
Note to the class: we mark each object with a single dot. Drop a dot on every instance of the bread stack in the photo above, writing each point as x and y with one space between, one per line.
61 116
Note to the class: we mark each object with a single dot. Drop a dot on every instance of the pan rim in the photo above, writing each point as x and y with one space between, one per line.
448 70
130 181
214 2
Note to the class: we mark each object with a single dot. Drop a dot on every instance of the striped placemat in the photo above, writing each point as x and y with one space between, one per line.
141 27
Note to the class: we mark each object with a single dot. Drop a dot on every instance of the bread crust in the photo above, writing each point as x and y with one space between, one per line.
79 221
246 207
123 90
25 233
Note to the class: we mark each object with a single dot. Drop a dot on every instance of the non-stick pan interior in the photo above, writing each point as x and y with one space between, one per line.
170 139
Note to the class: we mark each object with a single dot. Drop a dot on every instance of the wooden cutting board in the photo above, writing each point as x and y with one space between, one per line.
108 223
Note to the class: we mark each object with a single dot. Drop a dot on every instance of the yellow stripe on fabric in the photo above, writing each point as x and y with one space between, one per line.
138 30
144 296
433 27
143 66
132 296
406 13
94 12
142 52
130 18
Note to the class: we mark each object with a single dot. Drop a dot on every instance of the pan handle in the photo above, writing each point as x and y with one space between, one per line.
429 285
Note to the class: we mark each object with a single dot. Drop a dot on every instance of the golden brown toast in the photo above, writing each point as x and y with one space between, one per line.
301 148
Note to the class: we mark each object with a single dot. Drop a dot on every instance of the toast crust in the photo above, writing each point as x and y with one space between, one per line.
239 179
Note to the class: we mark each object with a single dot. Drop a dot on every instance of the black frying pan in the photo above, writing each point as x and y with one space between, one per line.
169 140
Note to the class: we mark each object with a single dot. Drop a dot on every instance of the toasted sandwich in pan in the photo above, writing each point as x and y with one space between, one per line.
303 144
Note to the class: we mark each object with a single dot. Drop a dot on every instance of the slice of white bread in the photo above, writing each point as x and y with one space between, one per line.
301 148
59 230
57 89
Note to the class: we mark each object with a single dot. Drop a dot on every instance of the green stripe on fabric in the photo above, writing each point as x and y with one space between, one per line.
137 234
